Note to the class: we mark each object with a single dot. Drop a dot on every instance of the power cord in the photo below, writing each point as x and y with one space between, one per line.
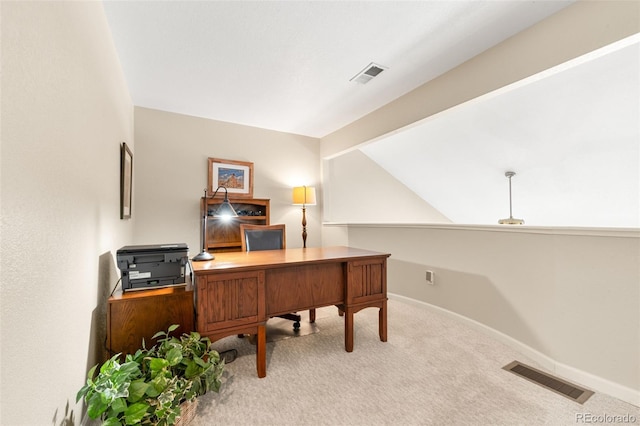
229 355
116 286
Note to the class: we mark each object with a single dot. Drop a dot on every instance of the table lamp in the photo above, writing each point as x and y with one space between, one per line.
304 196
224 211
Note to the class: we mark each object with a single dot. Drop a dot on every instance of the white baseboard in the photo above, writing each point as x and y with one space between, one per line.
583 378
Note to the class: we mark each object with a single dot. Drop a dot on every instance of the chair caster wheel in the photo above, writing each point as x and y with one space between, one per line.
296 326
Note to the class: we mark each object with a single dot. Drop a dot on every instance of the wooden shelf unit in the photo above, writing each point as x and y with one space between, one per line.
225 236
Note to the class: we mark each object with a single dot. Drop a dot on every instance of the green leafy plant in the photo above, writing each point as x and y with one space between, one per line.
149 386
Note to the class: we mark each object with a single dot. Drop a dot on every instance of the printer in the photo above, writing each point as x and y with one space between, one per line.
152 266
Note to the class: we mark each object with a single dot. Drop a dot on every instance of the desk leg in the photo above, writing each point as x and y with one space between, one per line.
348 330
261 351
382 322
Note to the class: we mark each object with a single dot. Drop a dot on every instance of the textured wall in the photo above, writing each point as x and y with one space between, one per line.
65 111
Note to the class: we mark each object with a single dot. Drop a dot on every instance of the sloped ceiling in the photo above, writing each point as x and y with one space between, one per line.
572 136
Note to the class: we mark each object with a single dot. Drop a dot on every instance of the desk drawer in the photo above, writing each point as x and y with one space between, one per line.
303 287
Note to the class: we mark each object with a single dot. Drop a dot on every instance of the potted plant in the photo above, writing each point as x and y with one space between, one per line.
153 385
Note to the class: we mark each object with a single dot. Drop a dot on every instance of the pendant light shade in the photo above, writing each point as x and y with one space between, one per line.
510 220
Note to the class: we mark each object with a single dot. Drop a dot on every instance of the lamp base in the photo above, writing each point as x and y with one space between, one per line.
203 255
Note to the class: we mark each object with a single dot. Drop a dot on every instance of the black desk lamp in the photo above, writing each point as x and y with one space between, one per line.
224 211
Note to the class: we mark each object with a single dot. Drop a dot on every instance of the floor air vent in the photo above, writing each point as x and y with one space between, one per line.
564 388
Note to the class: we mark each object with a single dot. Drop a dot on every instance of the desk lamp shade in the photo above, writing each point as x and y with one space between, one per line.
304 196
224 211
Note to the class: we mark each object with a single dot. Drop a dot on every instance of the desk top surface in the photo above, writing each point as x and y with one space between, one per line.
274 258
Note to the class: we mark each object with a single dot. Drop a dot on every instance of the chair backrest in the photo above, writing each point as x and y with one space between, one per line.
262 237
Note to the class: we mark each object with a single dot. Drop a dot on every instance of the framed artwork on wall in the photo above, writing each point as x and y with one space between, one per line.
126 181
236 176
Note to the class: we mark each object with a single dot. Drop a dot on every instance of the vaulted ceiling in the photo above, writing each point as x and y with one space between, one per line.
572 135
287 66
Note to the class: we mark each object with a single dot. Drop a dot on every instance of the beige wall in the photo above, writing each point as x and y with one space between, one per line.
65 112
578 29
356 189
570 301
171 173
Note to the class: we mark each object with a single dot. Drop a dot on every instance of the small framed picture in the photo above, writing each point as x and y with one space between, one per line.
236 176
126 181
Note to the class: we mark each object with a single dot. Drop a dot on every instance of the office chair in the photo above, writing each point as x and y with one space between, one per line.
262 237
269 237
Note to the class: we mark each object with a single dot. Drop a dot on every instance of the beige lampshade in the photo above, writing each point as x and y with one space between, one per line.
304 195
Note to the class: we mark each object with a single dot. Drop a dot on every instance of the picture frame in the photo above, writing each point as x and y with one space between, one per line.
236 176
126 181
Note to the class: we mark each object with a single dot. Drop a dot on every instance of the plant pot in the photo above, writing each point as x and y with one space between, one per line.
187 412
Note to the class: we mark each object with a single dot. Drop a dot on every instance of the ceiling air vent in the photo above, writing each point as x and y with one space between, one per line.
369 72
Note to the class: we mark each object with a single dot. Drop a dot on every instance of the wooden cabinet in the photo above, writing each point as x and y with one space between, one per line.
229 303
224 235
136 315
367 281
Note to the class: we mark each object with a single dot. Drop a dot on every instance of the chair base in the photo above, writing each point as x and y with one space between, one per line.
292 317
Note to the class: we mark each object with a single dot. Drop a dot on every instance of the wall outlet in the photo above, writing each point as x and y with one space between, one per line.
431 277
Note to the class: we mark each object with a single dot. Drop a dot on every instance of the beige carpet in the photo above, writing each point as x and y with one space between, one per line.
433 371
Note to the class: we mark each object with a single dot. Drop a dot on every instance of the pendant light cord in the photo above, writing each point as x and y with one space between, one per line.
510 210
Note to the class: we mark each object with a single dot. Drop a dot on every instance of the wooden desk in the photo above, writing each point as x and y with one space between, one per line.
238 292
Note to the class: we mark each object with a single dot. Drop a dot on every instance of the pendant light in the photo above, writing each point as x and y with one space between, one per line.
511 220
